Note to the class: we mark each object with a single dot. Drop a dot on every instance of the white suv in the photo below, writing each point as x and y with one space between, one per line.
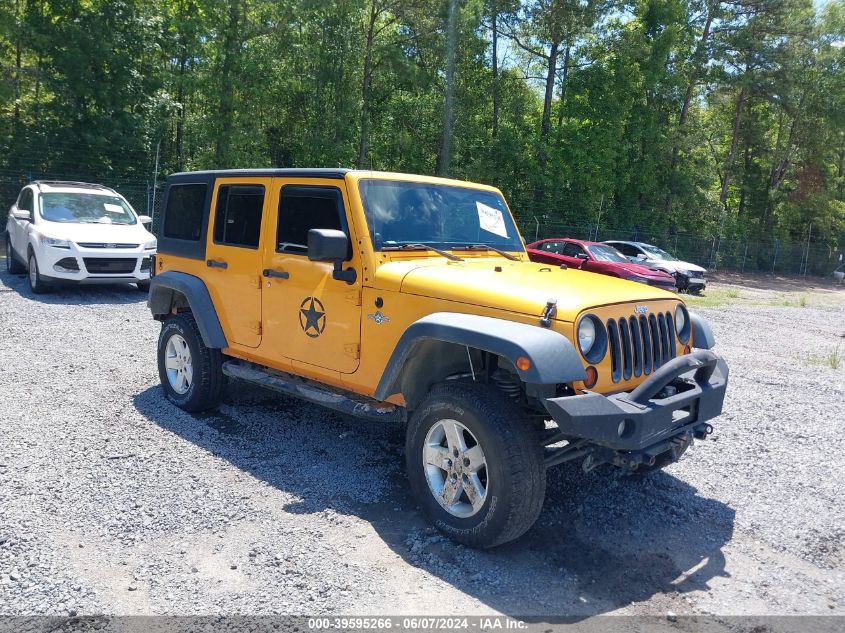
69 232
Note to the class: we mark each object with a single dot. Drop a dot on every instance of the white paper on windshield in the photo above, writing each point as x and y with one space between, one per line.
491 220
113 208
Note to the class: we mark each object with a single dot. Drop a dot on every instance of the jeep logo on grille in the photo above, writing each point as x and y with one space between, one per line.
640 309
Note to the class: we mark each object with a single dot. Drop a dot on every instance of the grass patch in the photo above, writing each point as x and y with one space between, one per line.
802 301
833 359
733 294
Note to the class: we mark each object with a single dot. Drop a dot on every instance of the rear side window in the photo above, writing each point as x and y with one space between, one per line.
237 219
302 209
183 215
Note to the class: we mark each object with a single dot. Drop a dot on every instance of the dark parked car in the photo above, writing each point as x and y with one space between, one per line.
597 258
688 277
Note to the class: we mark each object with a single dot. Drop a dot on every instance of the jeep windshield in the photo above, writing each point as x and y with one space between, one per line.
438 216
85 208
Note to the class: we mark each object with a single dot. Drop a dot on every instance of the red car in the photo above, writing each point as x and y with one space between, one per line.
597 258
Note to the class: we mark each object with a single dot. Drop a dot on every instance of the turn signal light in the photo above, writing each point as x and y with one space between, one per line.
592 377
523 364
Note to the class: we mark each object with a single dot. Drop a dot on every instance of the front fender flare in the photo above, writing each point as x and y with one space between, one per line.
163 288
553 357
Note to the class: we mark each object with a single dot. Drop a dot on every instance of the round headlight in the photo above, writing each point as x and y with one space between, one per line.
682 323
586 335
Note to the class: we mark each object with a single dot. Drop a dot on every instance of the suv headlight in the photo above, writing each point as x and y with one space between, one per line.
149 246
592 338
682 323
55 242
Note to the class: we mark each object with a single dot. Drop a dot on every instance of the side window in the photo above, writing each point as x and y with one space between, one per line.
237 219
572 250
627 250
303 208
25 200
183 215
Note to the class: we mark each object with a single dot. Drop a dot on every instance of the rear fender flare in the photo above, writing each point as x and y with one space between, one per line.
165 291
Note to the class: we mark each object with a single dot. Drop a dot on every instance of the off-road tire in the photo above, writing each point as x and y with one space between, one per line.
36 282
516 474
208 380
13 266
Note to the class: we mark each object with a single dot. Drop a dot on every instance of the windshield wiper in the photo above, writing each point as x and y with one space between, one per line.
423 247
487 247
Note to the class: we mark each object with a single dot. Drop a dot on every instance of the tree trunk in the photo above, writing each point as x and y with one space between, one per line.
682 118
445 158
495 60
17 61
364 140
231 48
740 102
545 125
563 79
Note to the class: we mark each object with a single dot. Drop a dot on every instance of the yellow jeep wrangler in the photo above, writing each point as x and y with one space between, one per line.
411 299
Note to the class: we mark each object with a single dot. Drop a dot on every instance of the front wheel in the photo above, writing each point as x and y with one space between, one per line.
13 266
191 374
36 283
475 464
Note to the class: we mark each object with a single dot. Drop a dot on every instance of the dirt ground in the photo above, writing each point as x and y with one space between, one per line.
112 501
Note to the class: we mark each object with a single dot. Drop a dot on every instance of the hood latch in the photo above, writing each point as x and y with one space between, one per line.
548 312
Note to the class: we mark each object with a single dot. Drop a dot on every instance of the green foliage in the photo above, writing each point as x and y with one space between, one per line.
719 116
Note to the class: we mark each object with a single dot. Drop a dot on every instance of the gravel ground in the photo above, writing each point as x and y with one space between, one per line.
113 501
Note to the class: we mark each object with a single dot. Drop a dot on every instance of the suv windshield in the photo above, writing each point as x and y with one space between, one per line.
658 253
606 253
87 208
442 216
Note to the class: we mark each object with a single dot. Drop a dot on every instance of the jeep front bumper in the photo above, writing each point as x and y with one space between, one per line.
669 408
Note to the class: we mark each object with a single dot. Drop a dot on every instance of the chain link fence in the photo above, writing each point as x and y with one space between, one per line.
741 255
772 256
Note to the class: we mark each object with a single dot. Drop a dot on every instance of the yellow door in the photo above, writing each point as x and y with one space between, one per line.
309 317
233 256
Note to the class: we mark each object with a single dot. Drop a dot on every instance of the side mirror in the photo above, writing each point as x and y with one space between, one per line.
582 256
331 245
22 214
145 220
640 257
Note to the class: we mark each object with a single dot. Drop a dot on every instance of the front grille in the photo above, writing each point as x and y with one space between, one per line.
640 344
106 245
110 265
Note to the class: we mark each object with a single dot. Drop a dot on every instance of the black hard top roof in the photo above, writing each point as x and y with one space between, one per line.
296 172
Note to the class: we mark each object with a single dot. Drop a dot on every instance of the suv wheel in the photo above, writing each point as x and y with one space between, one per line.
190 372
36 282
475 464
13 266
143 286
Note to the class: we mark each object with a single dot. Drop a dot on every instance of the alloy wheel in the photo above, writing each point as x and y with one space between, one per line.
177 362
455 468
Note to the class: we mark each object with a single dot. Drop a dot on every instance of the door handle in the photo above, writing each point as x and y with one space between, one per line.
214 264
278 274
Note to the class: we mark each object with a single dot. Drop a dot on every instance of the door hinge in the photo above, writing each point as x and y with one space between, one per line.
354 296
255 326
353 350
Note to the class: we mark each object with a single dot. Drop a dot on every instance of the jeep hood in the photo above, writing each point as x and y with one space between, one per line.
521 287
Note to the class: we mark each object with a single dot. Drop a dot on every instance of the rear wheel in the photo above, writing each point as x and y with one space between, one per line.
36 282
190 372
13 266
475 464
